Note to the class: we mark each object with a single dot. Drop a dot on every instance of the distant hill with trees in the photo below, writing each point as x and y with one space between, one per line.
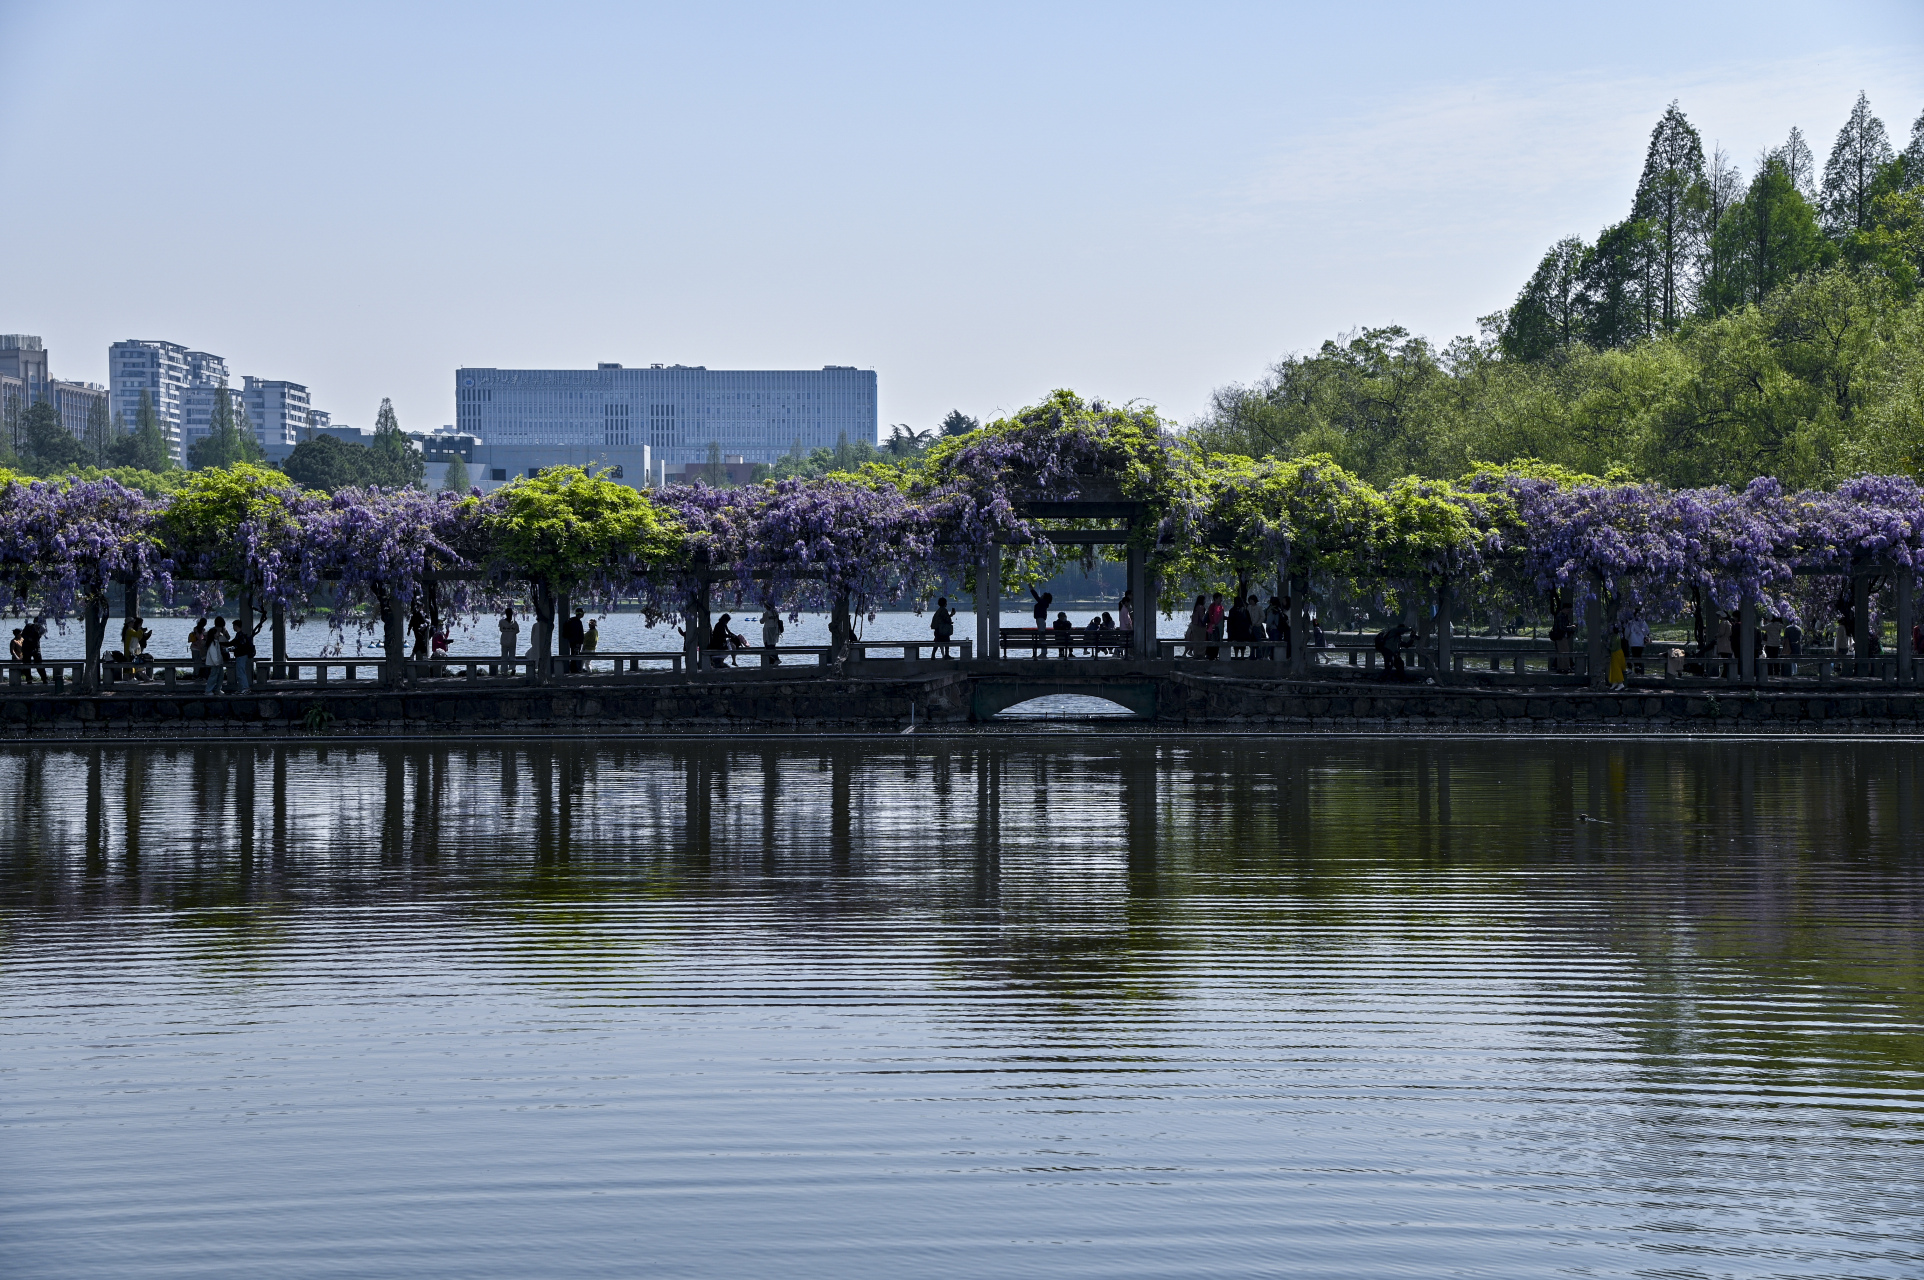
1726 328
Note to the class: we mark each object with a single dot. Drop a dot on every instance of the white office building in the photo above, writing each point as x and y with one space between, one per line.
677 411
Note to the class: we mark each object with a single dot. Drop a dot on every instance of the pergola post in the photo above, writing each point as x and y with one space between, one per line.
1747 641
1299 637
988 603
1901 588
1593 634
1137 594
1148 609
1443 602
1865 641
279 641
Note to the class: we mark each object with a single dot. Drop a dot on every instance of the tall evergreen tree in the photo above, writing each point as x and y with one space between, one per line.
1548 316
147 448
1862 149
456 480
1765 240
1914 155
1799 163
1670 201
395 462
100 431
714 471
229 438
48 447
1619 285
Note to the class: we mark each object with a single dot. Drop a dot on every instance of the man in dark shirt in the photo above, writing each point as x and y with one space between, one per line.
1391 642
573 632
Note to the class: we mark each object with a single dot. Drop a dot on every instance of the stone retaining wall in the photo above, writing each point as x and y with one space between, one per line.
770 701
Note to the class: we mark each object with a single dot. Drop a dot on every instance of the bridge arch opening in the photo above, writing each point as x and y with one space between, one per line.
1068 706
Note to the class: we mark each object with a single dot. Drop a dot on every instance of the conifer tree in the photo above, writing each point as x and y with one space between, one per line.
1862 149
229 438
100 432
1619 285
456 480
1799 163
147 448
1670 200
395 462
1914 155
1767 238
1548 316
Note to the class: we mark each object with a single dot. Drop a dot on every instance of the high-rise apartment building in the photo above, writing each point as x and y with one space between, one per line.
679 411
79 405
278 412
24 359
167 372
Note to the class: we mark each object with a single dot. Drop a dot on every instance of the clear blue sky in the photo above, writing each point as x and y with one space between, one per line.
979 202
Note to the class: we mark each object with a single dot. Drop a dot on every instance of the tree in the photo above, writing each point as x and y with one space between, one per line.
714 472
1914 155
456 480
395 462
100 432
46 444
1619 285
1670 201
1862 149
1799 163
1764 240
959 423
229 439
905 442
1548 316
146 449
330 464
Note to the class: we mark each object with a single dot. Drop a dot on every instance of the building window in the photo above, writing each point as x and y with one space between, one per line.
500 474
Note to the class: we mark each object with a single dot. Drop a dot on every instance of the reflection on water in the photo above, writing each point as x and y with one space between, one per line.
963 1007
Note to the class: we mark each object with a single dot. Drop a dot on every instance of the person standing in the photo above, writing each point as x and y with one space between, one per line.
1793 643
31 637
1276 618
772 629
1562 628
197 648
1193 634
591 641
1041 611
215 654
942 627
242 647
573 632
1213 622
1636 633
1125 623
510 635
1239 621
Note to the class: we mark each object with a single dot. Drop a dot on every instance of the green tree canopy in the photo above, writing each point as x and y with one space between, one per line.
394 462
572 529
329 464
229 439
146 449
47 446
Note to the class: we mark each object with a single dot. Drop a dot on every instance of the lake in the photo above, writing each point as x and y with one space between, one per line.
1052 1004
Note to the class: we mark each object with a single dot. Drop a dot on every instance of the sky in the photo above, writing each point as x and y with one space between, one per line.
979 202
